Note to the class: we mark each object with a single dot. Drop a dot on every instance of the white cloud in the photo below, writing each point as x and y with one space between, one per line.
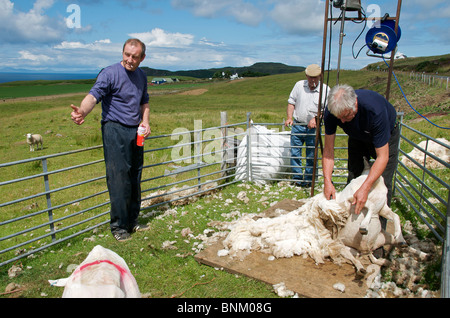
205 41
303 17
34 58
246 13
240 10
160 38
202 8
32 26
95 46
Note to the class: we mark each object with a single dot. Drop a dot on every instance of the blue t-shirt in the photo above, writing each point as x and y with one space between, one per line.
373 122
122 93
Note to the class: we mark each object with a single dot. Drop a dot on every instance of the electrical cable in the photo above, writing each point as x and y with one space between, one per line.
354 42
398 83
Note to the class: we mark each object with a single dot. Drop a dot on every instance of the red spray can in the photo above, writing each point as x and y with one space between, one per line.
140 136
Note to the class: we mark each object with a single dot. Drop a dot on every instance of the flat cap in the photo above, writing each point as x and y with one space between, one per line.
313 70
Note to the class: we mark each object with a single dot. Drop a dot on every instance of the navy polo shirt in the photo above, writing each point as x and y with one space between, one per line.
122 93
373 122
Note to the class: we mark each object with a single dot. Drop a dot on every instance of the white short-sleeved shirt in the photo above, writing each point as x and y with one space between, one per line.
306 101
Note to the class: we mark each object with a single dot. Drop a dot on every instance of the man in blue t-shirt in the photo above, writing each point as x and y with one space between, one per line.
122 89
370 122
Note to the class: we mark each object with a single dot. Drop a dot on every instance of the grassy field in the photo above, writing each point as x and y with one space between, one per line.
173 272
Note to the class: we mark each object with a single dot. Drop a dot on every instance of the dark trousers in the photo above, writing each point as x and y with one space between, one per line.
124 161
357 150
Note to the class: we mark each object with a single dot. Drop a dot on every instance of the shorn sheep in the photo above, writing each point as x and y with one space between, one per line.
35 139
432 147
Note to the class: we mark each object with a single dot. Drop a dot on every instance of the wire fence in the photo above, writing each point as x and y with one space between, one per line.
431 79
46 200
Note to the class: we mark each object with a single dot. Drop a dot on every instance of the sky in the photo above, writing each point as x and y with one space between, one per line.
86 35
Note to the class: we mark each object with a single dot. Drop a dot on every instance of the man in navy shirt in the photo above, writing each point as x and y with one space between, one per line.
122 89
370 122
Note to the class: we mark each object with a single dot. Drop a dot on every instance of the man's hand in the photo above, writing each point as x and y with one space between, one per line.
288 122
312 123
77 115
360 199
329 191
148 130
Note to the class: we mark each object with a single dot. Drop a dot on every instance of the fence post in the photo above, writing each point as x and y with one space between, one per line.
198 149
225 146
249 148
49 201
445 268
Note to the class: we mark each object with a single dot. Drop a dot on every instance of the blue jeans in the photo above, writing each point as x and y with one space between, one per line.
124 161
302 136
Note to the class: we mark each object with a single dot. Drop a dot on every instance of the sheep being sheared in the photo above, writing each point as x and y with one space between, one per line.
35 139
353 241
376 202
320 228
363 232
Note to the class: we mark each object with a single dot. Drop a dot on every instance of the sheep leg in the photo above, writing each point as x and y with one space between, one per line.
364 226
387 213
380 261
417 253
373 270
346 253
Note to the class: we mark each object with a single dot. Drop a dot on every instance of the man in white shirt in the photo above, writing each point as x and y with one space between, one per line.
301 115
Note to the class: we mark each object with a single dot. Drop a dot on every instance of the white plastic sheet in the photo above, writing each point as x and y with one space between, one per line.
103 274
269 154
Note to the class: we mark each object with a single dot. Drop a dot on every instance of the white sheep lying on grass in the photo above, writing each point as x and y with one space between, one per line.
433 147
35 139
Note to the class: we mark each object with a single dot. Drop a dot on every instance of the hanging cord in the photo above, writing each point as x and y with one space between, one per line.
354 42
408 101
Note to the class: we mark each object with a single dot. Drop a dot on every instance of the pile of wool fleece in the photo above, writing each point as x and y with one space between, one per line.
299 232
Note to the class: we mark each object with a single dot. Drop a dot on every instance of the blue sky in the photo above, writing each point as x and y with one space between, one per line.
87 35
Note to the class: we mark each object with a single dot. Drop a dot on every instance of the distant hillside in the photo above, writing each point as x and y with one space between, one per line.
429 64
258 69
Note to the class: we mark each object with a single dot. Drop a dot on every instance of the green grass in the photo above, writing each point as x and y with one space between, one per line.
430 64
161 273
43 88
158 272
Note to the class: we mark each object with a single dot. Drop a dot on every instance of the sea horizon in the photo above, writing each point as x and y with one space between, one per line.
6 77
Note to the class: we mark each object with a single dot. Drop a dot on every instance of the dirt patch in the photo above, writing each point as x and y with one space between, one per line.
40 98
300 275
195 92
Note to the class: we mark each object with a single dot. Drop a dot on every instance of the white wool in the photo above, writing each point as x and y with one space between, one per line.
433 147
222 253
300 232
340 287
282 291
